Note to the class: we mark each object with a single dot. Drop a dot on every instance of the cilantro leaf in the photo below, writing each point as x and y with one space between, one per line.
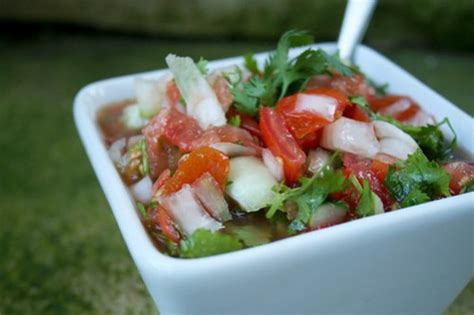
235 120
145 161
416 180
367 200
308 197
251 64
142 210
468 187
380 89
202 66
204 243
246 98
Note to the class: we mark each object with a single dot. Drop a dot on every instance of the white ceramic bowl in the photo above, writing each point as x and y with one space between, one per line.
415 260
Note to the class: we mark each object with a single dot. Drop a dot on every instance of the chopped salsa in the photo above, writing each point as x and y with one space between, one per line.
242 156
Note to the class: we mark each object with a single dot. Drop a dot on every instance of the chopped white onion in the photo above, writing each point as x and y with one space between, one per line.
142 190
397 107
232 149
117 149
274 164
352 136
207 190
187 212
394 141
134 140
251 183
317 159
420 119
324 106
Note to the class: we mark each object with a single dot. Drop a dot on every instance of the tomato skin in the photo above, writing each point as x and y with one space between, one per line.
223 93
460 173
310 141
281 143
164 221
354 112
363 168
379 104
172 92
198 162
380 169
303 123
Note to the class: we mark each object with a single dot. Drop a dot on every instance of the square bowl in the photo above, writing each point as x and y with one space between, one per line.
415 260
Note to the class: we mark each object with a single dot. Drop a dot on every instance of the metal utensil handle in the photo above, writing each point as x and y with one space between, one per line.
354 25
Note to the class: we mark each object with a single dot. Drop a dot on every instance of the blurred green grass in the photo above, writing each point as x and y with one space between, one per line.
60 249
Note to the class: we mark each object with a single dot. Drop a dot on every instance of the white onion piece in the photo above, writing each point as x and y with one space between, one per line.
396 148
394 141
352 136
251 183
274 164
207 190
317 159
327 214
142 190
378 204
387 130
134 140
232 149
187 212
132 117
116 150
320 105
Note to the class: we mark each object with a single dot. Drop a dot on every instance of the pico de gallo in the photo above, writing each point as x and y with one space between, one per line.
245 155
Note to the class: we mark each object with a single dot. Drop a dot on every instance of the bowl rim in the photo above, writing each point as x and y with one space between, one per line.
139 243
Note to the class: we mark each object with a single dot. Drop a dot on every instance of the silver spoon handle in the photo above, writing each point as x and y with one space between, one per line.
354 25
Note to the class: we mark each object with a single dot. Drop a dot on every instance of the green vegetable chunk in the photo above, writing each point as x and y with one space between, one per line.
204 243
417 180
369 203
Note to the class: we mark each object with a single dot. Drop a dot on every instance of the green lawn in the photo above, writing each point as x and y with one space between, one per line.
60 249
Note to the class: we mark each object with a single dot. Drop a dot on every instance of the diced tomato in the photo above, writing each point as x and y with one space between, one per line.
281 143
399 107
223 93
164 176
165 223
354 112
351 85
364 169
380 169
310 141
246 122
172 92
461 173
177 128
226 133
302 121
197 163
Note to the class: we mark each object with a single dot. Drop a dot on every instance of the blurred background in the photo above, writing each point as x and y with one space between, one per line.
60 249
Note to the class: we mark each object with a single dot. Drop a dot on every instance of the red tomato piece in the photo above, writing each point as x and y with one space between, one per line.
281 143
363 169
351 85
223 93
399 107
164 176
166 225
226 133
380 169
172 92
461 173
310 141
177 128
197 163
301 120
354 112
